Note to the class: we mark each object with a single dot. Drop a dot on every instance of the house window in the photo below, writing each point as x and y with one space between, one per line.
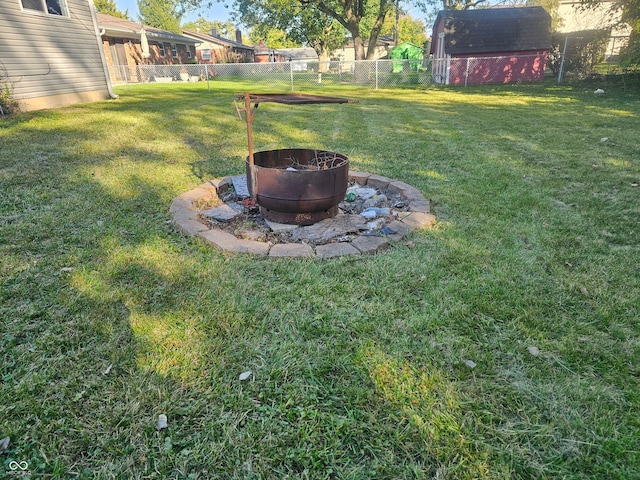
52 7
206 54
188 53
174 50
161 49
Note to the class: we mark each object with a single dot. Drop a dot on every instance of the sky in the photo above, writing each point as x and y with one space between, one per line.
220 13
217 12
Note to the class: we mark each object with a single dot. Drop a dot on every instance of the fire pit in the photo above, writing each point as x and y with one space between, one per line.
298 186
294 186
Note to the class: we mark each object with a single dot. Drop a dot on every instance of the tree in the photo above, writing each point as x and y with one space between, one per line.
427 5
272 37
552 7
225 29
318 20
630 55
284 24
109 7
411 30
163 14
627 11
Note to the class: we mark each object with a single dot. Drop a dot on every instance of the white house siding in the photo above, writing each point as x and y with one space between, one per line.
602 15
52 60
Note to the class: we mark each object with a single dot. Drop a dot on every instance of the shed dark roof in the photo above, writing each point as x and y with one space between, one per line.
494 30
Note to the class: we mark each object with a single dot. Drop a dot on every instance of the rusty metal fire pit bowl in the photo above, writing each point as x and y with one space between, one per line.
295 186
298 186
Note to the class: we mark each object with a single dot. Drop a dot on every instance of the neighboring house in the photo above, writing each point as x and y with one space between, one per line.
212 48
125 45
299 58
601 16
491 45
348 52
50 53
264 54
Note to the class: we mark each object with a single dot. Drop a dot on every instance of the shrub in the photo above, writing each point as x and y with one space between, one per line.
7 103
584 51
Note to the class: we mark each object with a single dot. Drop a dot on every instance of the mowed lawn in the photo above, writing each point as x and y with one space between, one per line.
502 343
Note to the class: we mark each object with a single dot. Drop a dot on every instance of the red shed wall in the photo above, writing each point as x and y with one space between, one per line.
503 67
437 30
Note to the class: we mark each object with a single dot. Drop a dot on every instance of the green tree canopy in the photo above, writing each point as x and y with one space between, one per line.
273 37
109 7
285 24
225 29
552 8
430 5
624 11
321 22
163 14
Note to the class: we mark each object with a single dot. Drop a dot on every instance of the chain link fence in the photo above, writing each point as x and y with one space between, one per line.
366 73
283 75
494 69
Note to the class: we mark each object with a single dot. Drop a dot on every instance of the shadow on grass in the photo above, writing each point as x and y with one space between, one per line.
356 365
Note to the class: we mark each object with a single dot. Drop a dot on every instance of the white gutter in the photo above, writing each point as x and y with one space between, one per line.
99 34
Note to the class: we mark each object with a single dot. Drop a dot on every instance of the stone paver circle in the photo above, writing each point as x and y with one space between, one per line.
185 210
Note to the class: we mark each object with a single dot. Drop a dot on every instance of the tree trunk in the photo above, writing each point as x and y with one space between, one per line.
358 46
323 59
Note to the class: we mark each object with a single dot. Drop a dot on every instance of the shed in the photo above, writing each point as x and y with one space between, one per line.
50 53
491 45
406 51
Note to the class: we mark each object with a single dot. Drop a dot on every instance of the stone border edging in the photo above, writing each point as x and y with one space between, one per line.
185 219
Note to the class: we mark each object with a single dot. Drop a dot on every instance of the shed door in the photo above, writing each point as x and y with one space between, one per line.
441 62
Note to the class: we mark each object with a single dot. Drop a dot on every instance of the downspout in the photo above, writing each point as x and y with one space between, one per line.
99 34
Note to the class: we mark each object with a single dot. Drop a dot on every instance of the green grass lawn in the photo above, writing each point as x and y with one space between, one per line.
110 318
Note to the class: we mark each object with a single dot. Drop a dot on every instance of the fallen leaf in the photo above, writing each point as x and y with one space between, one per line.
107 370
4 444
470 363
245 375
584 291
66 269
533 351
162 421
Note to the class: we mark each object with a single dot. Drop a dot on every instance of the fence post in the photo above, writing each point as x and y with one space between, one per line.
466 73
124 74
376 74
291 73
206 75
564 51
